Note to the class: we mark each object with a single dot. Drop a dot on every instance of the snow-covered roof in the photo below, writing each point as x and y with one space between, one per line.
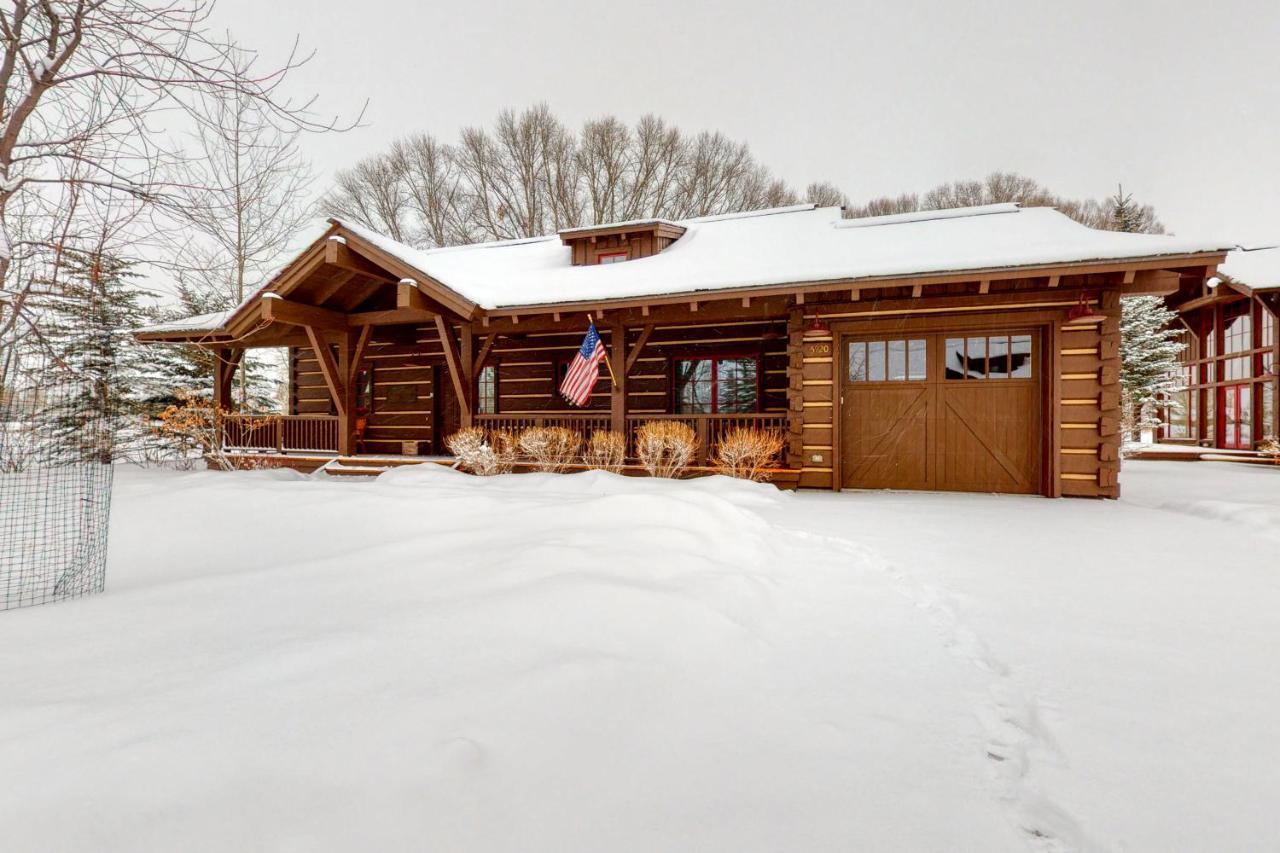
199 323
1256 269
798 245
792 245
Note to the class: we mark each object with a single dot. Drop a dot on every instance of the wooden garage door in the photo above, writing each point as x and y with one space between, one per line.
955 412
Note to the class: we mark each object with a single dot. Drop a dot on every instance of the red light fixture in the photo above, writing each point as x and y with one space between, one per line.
817 327
1082 313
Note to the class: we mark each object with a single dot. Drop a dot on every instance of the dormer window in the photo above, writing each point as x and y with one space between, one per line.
619 241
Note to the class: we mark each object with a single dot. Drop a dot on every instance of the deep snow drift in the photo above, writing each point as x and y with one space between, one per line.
431 661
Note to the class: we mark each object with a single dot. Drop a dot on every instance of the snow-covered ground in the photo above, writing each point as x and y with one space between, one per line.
431 661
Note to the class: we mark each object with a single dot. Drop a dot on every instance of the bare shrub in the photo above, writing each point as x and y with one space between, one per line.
473 451
1270 446
606 451
506 450
665 448
550 449
748 452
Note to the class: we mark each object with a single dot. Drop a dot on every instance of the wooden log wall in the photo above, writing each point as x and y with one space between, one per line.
1088 364
408 366
526 365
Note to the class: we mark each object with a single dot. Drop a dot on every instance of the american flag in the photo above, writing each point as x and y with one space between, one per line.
584 372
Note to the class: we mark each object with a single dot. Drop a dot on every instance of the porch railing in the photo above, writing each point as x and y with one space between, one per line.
297 433
708 428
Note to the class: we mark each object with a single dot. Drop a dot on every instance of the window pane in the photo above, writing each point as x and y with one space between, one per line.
1020 357
693 386
1268 403
875 361
916 360
955 358
976 356
998 357
736 385
487 386
1246 416
897 361
857 362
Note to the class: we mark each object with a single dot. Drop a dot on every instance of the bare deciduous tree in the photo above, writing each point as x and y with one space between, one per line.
80 83
530 175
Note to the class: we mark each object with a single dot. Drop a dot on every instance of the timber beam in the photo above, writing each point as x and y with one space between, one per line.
453 358
334 379
338 254
292 313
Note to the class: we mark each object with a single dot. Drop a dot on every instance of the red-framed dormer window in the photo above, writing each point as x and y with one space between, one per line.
611 257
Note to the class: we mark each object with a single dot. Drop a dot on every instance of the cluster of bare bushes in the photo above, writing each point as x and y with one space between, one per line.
663 448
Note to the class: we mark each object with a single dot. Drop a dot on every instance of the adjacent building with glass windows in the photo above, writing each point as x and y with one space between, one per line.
1231 362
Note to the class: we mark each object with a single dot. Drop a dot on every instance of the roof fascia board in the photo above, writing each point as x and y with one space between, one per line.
992 273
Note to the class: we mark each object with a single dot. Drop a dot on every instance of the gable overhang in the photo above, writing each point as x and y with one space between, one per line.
361 267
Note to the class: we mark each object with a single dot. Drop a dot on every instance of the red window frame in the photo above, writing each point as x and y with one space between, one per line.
1231 431
715 358
622 256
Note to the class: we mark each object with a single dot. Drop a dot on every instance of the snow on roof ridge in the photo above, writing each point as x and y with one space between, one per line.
803 207
929 215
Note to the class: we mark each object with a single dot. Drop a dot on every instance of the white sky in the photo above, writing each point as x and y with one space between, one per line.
1179 101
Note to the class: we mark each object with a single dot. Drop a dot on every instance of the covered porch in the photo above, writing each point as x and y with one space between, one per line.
385 363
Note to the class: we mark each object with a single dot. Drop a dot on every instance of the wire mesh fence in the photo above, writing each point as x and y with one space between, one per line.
55 481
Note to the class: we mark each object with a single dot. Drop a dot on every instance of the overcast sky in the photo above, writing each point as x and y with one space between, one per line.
1179 101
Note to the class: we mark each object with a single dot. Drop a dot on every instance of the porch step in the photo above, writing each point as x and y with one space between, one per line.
372 466
1189 453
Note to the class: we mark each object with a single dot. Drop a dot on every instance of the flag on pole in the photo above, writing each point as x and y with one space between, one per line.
584 372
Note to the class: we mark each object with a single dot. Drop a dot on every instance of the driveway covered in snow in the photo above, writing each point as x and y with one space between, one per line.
432 661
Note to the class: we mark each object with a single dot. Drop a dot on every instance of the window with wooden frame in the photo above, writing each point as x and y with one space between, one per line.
989 357
364 390
612 257
487 390
902 360
716 384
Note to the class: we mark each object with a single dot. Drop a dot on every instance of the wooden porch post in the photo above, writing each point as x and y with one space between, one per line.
225 362
618 357
467 365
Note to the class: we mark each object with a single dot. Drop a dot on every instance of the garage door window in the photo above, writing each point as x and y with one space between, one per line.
888 361
989 357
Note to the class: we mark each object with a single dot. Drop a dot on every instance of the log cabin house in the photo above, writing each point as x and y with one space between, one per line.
974 349
1231 362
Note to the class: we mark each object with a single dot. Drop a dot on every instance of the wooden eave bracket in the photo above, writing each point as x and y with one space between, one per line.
329 370
453 358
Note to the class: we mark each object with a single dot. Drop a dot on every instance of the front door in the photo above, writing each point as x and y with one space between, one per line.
1237 414
954 412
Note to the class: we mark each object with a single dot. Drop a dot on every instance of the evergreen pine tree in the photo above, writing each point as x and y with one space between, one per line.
1125 215
1149 347
91 310
1149 369
191 368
